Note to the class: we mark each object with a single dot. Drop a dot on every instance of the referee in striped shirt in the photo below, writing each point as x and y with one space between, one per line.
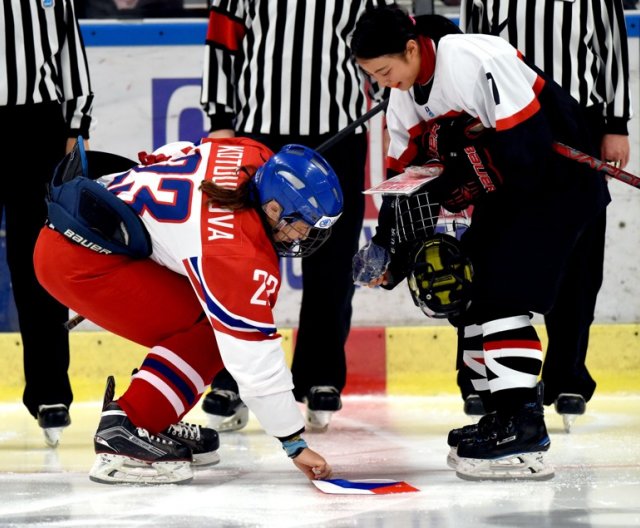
280 71
582 45
45 102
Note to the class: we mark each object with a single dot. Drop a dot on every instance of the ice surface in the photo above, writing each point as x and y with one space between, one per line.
597 482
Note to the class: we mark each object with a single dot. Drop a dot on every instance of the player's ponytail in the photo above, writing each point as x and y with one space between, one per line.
227 198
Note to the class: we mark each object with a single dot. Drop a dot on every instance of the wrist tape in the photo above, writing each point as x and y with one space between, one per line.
294 446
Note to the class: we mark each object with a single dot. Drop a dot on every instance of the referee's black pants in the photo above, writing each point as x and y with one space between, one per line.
327 285
35 138
569 321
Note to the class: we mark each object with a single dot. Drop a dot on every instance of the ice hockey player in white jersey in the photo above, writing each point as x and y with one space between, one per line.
180 254
475 105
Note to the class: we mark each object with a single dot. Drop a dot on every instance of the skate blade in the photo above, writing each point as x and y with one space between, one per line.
453 458
52 436
318 421
235 422
523 466
567 421
202 460
116 469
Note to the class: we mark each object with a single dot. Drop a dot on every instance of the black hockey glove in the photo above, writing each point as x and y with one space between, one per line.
461 145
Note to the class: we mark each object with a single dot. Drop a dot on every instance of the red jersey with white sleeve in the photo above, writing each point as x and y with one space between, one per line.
480 75
227 256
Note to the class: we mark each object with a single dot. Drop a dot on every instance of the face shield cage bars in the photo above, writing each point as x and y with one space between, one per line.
419 216
304 247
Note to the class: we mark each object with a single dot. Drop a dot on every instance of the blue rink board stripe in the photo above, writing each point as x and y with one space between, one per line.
179 33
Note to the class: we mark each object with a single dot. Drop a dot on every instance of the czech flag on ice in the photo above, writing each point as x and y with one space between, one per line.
363 487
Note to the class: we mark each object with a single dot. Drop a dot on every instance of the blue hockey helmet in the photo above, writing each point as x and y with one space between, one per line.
307 189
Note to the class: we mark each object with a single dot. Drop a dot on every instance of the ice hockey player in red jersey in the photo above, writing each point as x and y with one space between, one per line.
474 104
180 254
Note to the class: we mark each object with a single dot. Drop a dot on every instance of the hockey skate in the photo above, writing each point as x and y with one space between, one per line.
482 428
322 401
203 442
132 455
53 419
225 410
570 406
513 448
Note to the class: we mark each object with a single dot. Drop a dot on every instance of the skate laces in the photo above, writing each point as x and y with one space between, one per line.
185 430
487 423
143 433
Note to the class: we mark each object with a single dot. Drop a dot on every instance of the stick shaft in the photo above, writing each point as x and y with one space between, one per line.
352 126
596 164
73 322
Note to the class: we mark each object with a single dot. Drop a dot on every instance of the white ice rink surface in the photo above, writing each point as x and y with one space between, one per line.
597 481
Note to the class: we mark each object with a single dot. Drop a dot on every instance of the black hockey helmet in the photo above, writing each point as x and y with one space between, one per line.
440 277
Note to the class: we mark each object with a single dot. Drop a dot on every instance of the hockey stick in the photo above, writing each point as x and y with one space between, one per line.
596 164
73 322
352 126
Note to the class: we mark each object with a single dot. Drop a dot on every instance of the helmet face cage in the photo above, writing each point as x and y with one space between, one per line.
440 278
303 247
418 217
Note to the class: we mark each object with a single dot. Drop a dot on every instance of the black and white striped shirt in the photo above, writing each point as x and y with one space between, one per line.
283 67
581 44
42 59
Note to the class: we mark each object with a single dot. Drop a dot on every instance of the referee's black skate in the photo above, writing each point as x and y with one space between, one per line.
132 455
322 401
473 406
225 410
570 406
53 419
512 448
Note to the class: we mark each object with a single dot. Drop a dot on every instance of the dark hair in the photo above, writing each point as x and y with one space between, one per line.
386 30
383 30
233 199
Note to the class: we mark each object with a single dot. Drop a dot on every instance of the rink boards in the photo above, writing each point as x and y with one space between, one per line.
380 360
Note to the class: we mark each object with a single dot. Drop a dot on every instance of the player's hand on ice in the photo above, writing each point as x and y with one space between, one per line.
312 465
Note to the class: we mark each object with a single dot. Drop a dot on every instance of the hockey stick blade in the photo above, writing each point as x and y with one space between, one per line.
596 164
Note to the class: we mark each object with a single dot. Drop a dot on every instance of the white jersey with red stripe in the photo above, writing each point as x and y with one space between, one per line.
228 258
480 75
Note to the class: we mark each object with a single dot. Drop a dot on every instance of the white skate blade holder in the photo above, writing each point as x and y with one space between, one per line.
116 469
52 436
363 487
567 421
200 461
318 421
522 466
235 422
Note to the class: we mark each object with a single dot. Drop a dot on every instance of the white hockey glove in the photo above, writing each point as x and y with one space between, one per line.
370 263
